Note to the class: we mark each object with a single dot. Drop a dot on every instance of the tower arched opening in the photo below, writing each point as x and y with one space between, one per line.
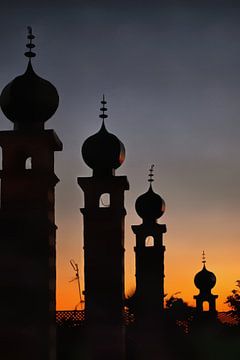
205 306
104 200
149 241
28 163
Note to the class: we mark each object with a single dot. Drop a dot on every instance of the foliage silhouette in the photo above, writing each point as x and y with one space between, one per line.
233 302
178 309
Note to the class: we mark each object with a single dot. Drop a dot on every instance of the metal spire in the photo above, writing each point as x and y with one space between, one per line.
150 175
203 258
30 45
103 109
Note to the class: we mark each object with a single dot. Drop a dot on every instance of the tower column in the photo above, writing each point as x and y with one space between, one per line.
205 281
149 257
27 218
104 248
148 299
103 216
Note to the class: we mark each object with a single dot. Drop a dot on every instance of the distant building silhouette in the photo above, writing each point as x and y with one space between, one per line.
104 215
205 280
149 252
27 224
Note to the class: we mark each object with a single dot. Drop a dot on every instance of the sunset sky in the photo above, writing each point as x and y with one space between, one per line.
170 71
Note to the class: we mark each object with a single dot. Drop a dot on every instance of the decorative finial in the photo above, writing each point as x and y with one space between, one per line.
150 175
30 45
203 258
103 109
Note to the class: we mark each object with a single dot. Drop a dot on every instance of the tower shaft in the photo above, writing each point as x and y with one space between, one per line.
104 215
104 265
104 247
149 252
27 244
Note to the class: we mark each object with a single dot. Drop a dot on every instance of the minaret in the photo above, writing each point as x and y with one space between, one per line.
149 252
205 281
27 217
104 215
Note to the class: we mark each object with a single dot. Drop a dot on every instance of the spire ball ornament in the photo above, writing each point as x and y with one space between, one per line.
103 152
150 206
205 280
28 100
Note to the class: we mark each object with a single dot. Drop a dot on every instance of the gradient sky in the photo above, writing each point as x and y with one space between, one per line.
170 73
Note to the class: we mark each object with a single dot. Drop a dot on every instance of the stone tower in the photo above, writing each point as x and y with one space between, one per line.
27 223
205 280
149 253
104 215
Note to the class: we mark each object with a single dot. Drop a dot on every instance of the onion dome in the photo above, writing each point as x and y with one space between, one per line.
103 151
28 100
204 280
150 206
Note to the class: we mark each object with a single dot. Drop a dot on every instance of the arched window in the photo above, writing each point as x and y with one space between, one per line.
28 163
149 241
104 200
205 306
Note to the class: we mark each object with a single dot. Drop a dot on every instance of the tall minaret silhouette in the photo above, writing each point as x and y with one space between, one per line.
149 252
205 280
104 215
27 224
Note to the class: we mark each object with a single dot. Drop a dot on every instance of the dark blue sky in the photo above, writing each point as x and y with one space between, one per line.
170 73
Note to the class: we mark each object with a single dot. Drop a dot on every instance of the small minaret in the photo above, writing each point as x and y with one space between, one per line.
149 252
104 215
205 280
27 218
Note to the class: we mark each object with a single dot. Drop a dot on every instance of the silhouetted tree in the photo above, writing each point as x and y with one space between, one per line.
233 302
178 308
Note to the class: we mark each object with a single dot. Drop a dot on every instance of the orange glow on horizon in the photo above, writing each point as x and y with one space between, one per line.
182 262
